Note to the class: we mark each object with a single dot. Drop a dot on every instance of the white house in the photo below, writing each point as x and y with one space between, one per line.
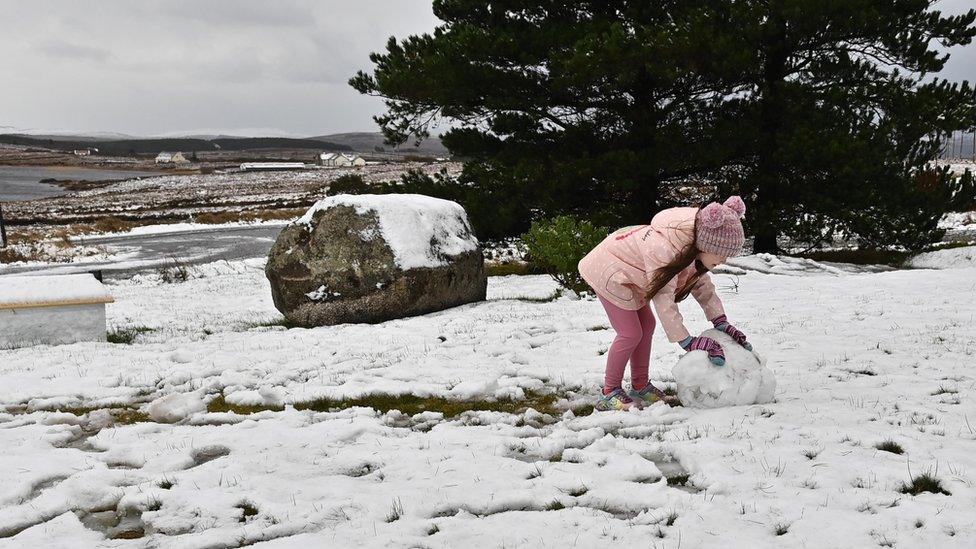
171 158
341 159
84 152
51 310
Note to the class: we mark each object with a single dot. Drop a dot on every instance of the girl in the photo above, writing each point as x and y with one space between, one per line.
662 262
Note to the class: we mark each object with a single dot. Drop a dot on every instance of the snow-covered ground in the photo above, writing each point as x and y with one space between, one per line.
861 358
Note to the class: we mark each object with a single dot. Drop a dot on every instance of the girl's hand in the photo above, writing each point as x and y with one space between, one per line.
722 323
707 344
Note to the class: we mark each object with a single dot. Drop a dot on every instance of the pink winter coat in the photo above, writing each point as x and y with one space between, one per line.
620 269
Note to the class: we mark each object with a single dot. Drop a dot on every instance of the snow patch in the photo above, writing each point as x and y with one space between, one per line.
952 258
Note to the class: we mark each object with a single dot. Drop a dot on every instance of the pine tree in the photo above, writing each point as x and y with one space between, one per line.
560 107
824 115
839 116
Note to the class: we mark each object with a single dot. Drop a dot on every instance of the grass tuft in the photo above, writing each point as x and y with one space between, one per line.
781 528
555 505
925 482
396 511
126 336
890 446
248 510
578 491
678 480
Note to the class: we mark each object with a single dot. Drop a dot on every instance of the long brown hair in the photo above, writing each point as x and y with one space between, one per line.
685 257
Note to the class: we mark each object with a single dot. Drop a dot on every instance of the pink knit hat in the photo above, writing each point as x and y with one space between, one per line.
718 229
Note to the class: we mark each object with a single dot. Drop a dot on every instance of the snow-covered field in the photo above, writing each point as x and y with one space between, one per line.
861 358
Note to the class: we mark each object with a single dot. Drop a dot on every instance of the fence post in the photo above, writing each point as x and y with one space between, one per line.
3 230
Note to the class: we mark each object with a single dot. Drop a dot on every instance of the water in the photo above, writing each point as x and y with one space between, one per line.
23 182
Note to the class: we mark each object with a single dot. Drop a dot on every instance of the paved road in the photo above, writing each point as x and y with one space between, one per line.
135 253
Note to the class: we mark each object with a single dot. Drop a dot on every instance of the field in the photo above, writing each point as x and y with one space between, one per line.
206 422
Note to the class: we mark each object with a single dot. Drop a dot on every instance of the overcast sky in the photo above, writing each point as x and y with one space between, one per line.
255 67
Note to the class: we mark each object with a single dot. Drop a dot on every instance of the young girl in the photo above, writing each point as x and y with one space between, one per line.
662 262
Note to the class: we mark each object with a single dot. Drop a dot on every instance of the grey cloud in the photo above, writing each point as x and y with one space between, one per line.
61 49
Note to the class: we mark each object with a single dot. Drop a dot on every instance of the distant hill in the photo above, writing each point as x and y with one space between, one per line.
155 145
373 141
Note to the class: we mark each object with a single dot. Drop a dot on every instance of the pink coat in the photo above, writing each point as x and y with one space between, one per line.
620 269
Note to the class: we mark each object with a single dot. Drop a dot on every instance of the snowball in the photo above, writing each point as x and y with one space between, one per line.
743 380
174 407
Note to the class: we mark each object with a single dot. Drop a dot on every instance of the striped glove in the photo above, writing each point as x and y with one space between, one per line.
707 344
722 323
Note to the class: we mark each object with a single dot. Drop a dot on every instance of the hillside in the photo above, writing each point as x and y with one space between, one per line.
369 141
155 145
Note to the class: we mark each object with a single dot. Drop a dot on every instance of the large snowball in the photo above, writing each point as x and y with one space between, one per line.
743 380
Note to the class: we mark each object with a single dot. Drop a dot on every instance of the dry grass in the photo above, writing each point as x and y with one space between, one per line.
409 404
216 218
112 225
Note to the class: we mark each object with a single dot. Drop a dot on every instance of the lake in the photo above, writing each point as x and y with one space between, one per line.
23 182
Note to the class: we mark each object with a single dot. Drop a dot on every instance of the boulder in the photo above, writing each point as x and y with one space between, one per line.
743 380
372 258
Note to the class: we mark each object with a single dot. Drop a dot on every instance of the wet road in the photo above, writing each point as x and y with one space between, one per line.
135 253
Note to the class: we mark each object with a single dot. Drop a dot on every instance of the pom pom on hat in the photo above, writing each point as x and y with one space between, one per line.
713 216
736 204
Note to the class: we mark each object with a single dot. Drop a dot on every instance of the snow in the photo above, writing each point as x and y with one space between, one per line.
860 358
172 228
421 230
39 290
951 258
743 380
957 220
176 406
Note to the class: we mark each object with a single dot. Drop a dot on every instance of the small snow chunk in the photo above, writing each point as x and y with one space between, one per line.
472 389
321 294
174 407
181 356
742 381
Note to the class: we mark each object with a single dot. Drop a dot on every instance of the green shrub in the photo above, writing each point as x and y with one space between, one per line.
349 184
558 244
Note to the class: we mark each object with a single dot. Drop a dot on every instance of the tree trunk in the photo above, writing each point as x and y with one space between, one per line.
766 205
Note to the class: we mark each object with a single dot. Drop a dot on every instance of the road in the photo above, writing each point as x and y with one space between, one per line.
149 252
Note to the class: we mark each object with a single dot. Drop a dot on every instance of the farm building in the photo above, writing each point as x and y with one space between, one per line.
51 310
171 158
84 152
341 159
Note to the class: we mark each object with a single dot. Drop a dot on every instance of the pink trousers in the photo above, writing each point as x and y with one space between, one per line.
633 343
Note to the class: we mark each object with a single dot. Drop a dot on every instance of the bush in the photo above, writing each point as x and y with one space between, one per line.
113 225
349 184
558 244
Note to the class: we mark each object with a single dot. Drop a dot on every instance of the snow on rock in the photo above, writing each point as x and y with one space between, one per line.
176 406
419 229
743 380
952 258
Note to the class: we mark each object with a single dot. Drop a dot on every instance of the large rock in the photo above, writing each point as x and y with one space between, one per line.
372 258
743 380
